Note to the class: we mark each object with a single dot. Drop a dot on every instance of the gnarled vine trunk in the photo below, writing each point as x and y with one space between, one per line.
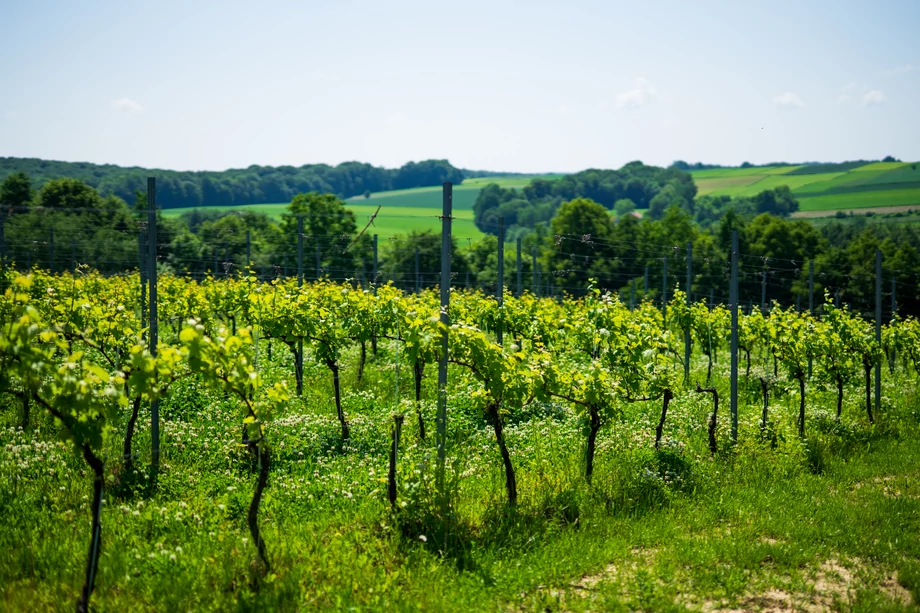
510 480
664 413
419 370
713 445
361 361
839 397
92 561
334 367
801 379
592 441
128 454
394 449
868 369
763 389
252 518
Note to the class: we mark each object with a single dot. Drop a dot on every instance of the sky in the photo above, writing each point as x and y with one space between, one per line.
505 86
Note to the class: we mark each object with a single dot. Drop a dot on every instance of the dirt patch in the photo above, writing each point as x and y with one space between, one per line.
833 586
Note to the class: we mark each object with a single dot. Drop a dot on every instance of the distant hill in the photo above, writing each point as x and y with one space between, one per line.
252 185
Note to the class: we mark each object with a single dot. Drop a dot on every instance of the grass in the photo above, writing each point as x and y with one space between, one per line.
832 522
857 200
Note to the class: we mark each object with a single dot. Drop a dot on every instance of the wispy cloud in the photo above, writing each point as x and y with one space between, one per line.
788 100
874 97
899 70
128 106
638 96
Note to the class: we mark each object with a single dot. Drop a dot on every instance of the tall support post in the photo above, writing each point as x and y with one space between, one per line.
811 300
894 313
418 286
375 265
500 285
664 290
51 249
535 287
539 281
374 285
298 366
632 296
811 288
2 241
733 298
248 249
142 253
878 327
319 265
689 305
154 319
763 292
519 285
73 258
894 301
447 196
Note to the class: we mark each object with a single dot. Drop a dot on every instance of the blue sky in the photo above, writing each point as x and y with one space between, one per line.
496 85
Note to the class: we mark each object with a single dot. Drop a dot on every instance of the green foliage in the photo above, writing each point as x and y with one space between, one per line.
16 191
254 184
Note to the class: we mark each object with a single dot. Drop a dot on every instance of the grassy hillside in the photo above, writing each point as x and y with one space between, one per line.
404 210
823 188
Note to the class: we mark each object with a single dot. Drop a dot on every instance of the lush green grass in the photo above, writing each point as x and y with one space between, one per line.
857 200
829 523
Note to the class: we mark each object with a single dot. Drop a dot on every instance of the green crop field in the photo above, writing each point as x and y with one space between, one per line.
402 210
822 188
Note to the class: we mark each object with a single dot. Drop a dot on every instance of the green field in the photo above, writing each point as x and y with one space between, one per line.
822 188
403 210
829 189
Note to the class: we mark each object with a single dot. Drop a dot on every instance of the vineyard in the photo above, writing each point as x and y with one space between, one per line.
275 444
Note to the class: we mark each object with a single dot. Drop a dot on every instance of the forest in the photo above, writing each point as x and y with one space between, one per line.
252 185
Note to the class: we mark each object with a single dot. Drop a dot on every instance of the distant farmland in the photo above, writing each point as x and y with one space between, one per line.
403 210
823 188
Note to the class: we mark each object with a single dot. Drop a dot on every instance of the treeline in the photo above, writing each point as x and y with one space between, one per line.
67 222
634 186
252 185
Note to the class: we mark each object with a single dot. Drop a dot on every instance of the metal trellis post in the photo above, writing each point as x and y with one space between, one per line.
446 212
500 285
733 298
154 319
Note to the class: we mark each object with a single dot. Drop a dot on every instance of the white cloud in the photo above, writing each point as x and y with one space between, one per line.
638 96
128 106
788 100
899 70
874 97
